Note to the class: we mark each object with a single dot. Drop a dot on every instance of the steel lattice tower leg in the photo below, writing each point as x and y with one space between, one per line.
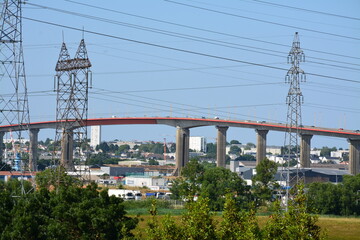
72 80
294 99
14 108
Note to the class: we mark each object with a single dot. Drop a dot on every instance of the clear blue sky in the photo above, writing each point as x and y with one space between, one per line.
130 78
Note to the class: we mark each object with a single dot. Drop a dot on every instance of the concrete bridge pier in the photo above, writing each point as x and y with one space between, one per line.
261 145
1 145
182 149
33 153
221 146
305 147
354 157
67 147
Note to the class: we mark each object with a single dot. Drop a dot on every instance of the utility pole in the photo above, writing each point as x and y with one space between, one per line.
294 99
14 108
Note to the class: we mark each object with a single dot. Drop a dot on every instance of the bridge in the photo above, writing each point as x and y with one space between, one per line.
183 126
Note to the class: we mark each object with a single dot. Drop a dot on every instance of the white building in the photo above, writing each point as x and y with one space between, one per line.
145 181
197 144
95 136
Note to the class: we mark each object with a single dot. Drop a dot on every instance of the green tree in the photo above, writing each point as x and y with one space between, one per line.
340 199
71 212
210 148
212 183
264 182
124 148
217 182
237 224
197 222
296 223
234 142
235 150
153 162
55 178
104 147
325 151
246 157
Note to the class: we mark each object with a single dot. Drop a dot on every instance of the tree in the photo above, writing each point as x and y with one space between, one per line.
235 150
340 199
296 223
211 183
217 182
237 224
210 148
104 147
69 213
250 145
325 151
173 147
153 162
263 182
124 148
234 142
245 157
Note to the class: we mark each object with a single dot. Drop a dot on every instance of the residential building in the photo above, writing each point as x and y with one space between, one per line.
197 144
95 136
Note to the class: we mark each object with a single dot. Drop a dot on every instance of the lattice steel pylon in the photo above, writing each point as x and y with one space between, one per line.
295 75
14 108
72 81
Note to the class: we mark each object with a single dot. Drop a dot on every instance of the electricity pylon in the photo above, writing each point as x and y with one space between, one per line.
72 81
294 99
14 108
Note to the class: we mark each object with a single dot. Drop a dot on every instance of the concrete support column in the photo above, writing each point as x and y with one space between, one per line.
354 157
1 145
67 146
261 145
305 147
182 149
221 146
33 153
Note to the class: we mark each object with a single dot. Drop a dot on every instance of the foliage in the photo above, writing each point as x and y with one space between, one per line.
340 199
55 178
211 148
325 151
235 150
238 224
153 162
70 212
296 223
263 182
212 183
101 158
124 148
245 157
217 182
234 142
104 147
198 223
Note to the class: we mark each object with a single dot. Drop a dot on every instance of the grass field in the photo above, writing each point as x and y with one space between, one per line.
338 228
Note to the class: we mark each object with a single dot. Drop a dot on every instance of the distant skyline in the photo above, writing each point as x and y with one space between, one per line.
199 58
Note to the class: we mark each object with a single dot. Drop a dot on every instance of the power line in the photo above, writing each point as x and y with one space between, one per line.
260 20
308 10
205 30
182 50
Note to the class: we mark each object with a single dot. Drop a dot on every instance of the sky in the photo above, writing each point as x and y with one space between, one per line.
199 58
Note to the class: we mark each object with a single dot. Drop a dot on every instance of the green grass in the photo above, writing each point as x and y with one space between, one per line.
337 228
